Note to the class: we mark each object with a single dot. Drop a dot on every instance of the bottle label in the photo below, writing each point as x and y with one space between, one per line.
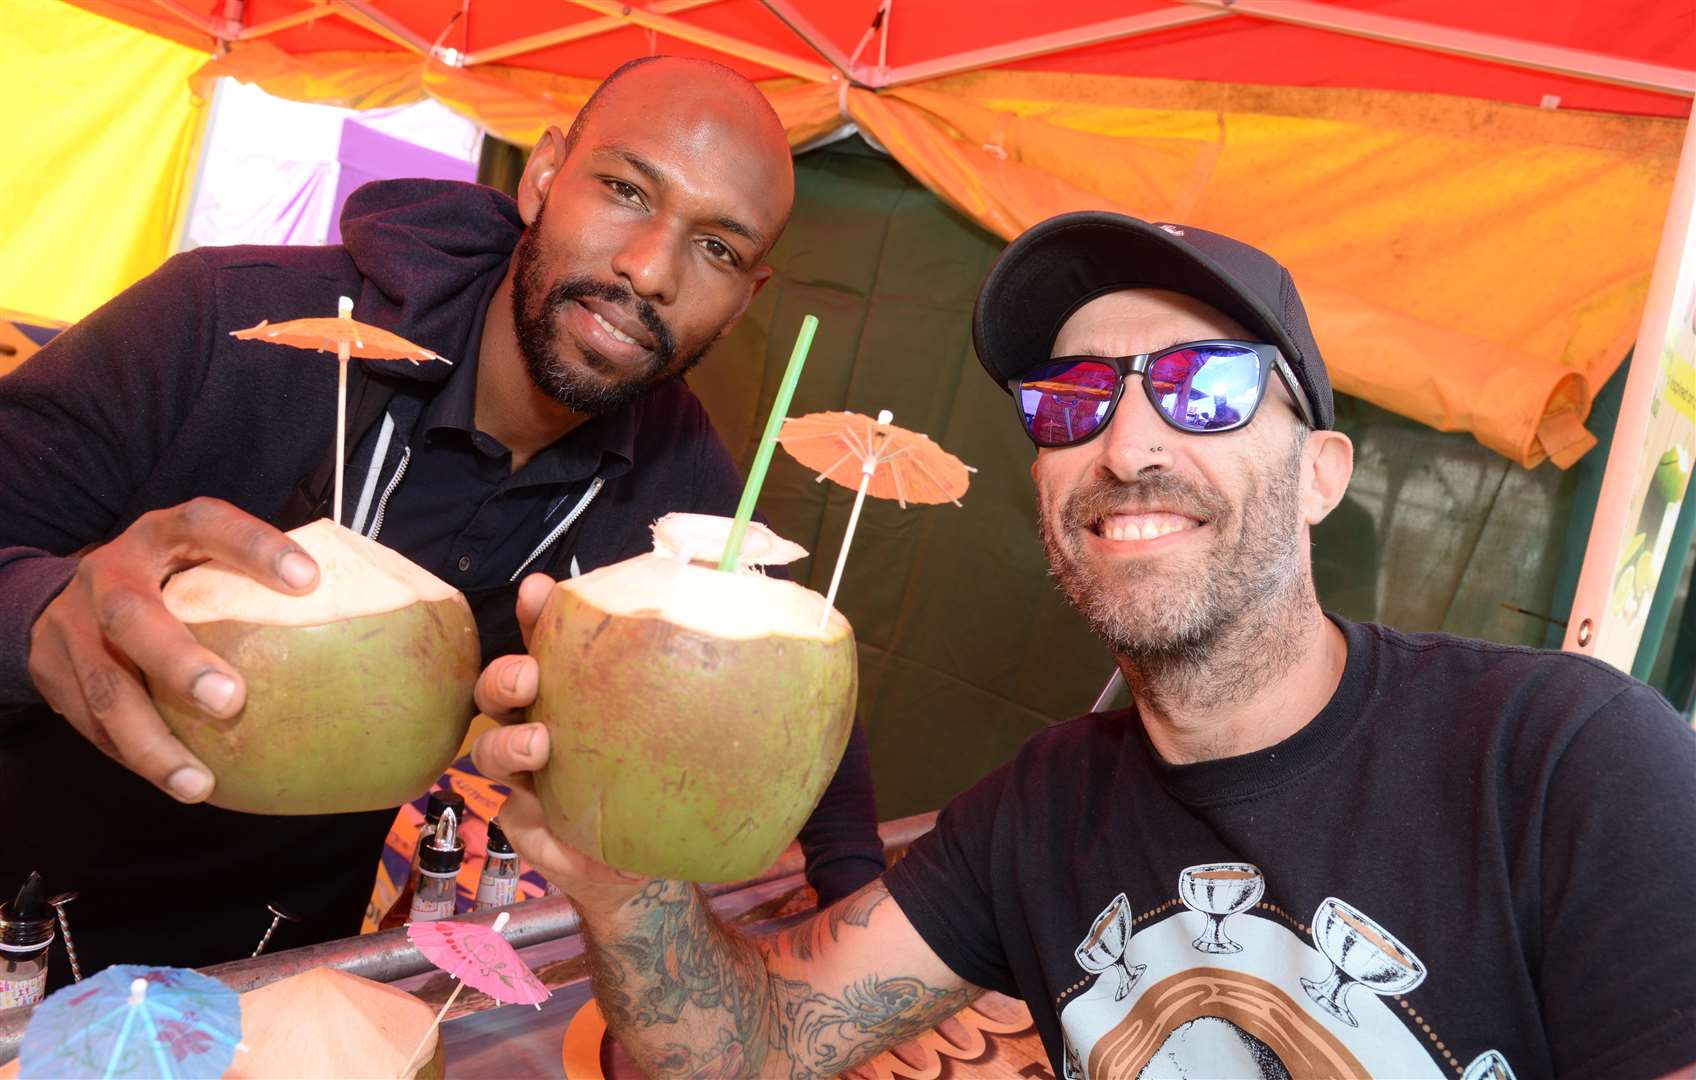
496 892
25 991
426 910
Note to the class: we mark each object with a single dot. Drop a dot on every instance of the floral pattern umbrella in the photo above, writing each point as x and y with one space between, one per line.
134 1021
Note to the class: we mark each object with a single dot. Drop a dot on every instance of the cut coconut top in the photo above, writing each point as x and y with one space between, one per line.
701 538
356 577
326 1022
739 606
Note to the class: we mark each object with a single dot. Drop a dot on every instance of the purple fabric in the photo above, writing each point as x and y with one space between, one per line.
367 154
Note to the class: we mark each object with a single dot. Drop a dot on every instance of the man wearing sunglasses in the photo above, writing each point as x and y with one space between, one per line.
1311 847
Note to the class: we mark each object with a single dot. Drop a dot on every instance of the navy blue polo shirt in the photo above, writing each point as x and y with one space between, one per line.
463 513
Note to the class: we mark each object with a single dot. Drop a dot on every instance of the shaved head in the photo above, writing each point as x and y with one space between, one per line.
648 225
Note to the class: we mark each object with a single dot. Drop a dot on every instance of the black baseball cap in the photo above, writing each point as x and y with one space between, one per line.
1059 265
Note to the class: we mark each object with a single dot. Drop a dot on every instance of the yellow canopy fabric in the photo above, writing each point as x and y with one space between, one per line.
99 138
1472 265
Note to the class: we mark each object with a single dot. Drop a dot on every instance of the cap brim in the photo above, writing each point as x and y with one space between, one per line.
1065 262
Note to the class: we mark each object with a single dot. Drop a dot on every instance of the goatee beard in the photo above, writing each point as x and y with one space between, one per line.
1215 636
590 386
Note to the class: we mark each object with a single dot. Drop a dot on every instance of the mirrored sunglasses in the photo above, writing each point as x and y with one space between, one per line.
1201 387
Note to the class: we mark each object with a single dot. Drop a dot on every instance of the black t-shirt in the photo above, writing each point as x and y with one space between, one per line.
1475 857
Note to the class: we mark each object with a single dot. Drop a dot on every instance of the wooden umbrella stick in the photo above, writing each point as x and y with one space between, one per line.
866 470
341 424
434 1024
344 308
847 538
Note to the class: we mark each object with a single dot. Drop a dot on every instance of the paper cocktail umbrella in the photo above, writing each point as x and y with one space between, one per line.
347 338
479 957
134 1021
875 458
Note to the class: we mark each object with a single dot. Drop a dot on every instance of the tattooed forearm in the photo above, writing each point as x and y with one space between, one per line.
673 966
689 998
826 1034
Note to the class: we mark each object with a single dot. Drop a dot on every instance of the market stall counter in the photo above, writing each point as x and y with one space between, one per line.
566 1036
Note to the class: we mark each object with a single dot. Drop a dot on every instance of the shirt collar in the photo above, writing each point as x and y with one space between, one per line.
601 445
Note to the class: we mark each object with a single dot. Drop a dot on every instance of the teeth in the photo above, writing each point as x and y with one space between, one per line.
613 330
1143 526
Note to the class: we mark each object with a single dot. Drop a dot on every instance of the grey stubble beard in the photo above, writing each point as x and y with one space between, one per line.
1226 634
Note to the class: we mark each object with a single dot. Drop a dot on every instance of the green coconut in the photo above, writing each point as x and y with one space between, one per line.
696 716
358 693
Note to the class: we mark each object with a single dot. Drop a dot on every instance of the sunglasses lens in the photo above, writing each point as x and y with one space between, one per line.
1066 401
1207 387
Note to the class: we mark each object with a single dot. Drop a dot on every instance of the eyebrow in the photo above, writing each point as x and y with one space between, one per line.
653 175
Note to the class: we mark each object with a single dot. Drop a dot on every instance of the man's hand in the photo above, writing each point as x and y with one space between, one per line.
508 755
108 631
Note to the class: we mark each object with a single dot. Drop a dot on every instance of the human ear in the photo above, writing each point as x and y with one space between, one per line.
1327 465
539 172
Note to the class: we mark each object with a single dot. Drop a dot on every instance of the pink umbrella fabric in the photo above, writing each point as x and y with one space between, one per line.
479 957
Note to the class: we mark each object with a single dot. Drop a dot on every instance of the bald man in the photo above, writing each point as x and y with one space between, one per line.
561 431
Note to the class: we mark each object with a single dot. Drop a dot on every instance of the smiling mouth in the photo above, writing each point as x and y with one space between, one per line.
612 331
1143 526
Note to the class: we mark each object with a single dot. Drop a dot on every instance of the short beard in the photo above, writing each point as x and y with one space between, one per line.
589 387
1180 635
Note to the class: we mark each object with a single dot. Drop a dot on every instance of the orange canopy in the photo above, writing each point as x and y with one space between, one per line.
1468 194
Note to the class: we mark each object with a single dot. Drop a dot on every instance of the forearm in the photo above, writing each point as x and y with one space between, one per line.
685 995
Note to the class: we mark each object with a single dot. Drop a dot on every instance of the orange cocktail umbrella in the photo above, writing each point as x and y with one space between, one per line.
875 458
348 338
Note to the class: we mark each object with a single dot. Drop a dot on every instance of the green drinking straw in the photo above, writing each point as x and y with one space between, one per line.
768 443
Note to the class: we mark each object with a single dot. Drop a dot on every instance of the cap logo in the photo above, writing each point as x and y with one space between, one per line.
1173 229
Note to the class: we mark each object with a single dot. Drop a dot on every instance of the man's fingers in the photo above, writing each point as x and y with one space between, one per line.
507 687
503 754
532 595
208 528
138 626
117 703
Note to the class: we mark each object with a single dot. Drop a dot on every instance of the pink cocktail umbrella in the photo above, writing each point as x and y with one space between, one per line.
477 956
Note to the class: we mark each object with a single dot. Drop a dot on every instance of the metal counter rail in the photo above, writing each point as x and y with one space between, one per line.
388 956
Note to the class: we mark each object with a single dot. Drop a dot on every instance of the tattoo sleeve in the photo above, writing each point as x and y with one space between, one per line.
688 997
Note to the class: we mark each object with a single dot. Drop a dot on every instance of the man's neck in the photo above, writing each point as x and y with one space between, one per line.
510 406
1262 682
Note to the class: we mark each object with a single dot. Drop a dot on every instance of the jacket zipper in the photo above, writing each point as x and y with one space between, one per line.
394 482
576 512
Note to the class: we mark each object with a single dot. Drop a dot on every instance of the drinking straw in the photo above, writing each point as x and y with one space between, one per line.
768 443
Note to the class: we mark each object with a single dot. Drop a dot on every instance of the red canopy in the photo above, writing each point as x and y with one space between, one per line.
1635 56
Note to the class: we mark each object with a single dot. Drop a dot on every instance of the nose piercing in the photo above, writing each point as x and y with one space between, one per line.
1156 449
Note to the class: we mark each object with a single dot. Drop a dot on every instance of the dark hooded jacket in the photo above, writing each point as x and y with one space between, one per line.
150 402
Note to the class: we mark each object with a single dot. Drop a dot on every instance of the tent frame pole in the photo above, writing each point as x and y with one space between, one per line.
1447 39
1076 38
576 32
369 18
803 28
709 39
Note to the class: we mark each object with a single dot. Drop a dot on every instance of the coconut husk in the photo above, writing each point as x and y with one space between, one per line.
329 1024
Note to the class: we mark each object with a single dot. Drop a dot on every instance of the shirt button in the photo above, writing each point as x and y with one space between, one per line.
464 563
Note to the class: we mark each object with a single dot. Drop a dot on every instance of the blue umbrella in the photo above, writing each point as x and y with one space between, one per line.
134 1021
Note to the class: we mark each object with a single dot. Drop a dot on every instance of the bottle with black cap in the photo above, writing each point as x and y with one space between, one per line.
26 930
497 885
438 871
438 801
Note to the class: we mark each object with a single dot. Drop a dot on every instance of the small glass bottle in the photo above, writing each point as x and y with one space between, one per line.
438 873
497 885
439 801
26 930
